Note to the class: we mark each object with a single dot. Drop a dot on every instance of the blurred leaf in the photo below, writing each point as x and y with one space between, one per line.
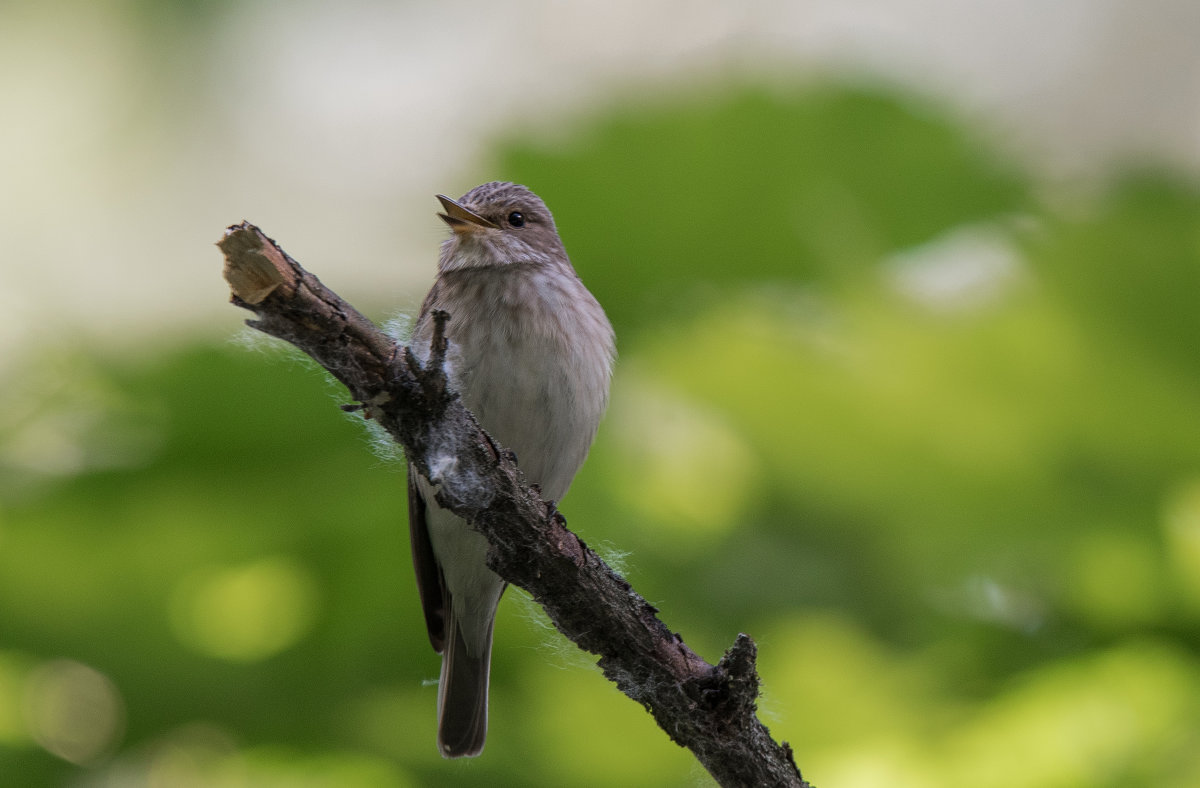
658 202
1130 269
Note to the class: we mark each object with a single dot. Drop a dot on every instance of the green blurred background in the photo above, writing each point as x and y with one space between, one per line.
916 412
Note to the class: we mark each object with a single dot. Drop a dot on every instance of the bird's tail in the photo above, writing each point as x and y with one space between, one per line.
463 693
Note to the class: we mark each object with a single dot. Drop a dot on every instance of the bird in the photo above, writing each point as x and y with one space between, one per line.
531 353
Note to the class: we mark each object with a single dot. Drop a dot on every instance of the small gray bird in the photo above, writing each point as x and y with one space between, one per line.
531 353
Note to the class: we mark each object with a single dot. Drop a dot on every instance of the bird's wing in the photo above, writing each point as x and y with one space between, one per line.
430 585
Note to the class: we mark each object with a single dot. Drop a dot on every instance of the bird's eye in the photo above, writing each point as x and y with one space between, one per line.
516 219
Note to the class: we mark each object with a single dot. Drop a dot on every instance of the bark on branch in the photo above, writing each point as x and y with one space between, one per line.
709 709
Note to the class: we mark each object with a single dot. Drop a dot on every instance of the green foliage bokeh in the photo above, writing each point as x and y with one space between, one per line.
963 524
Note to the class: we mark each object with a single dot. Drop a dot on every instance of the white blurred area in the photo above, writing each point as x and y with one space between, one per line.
133 133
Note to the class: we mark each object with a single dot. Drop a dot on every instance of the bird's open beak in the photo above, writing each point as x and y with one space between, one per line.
462 220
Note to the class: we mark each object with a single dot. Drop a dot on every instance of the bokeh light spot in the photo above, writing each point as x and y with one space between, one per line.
965 268
73 711
686 467
1079 723
245 613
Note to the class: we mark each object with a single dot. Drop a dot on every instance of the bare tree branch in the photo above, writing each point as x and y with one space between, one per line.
710 709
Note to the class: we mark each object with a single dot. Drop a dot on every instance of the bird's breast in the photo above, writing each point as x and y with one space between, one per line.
531 355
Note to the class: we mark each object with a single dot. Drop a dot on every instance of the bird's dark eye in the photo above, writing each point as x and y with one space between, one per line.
516 219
